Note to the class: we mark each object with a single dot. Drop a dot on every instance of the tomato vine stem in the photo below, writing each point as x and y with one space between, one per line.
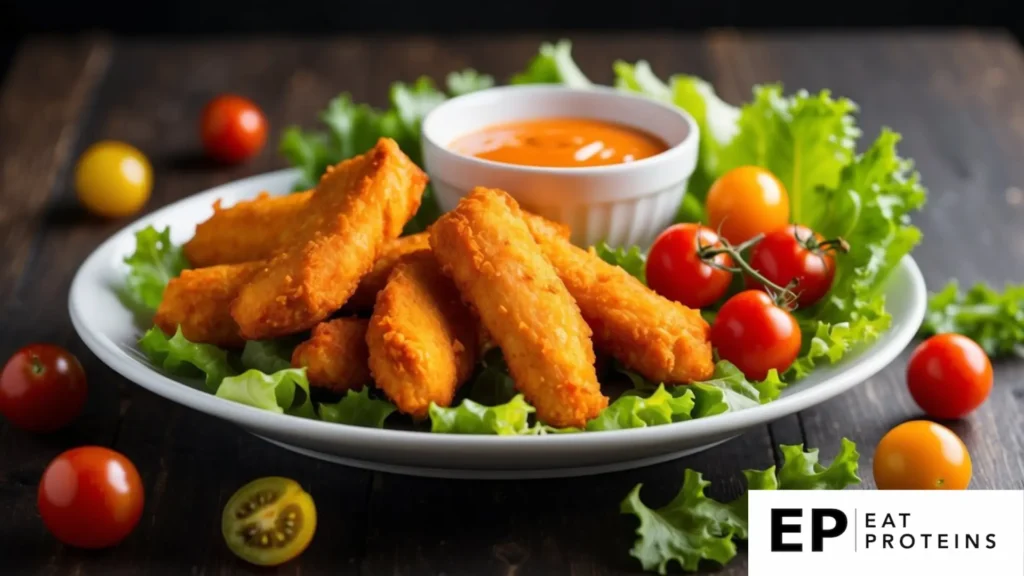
783 296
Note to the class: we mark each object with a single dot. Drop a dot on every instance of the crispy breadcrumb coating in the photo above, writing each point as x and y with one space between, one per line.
487 249
248 231
660 339
423 340
199 301
358 205
389 256
335 356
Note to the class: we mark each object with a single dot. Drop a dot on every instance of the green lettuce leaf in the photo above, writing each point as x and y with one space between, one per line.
357 409
640 78
150 267
284 391
870 208
631 259
638 381
805 140
467 81
413 102
492 385
995 320
637 410
693 527
728 390
885 189
355 128
717 121
553 65
308 152
802 471
830 342
268 355
178 356
686 530
511 418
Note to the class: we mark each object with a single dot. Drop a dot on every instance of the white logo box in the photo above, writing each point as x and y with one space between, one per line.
932 533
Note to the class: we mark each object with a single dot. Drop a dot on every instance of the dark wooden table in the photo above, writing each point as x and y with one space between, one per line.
958 98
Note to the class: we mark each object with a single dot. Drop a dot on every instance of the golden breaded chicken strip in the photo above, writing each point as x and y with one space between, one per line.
199 301
335 355
390 254
358 205
661 339
248 231
487 249
423 340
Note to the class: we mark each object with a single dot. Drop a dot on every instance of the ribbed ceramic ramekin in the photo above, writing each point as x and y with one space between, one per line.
622 204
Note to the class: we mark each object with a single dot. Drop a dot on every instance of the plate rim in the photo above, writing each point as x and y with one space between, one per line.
111 354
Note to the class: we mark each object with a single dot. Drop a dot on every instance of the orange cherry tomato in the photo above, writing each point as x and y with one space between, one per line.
949 376
922 455
233 128
42 388
90 497
745 202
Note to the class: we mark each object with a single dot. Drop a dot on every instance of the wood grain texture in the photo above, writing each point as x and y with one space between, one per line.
956 98
41 102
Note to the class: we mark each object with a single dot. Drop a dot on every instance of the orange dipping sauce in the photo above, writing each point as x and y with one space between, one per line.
560 143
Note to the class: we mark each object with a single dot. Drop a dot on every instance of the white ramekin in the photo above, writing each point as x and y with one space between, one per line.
621 204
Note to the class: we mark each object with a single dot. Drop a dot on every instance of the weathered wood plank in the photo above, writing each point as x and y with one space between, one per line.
41 102
156 108
560 526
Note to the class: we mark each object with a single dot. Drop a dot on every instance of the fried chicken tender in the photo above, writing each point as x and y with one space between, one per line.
423 340
248 231
199 301
358 205
335 356
487 249
387 258
663 340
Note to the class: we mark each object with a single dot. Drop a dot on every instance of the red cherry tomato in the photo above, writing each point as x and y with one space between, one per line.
790 253
755 334
949 376
675 270
42 388
90 497
233 128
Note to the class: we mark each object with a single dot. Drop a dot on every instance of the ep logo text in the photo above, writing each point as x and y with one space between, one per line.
824 523
854 532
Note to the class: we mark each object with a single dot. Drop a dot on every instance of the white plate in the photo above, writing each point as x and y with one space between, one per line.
109 330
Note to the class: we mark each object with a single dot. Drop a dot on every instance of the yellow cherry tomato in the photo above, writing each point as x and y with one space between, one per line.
745 202
922 455
269 521
113 179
